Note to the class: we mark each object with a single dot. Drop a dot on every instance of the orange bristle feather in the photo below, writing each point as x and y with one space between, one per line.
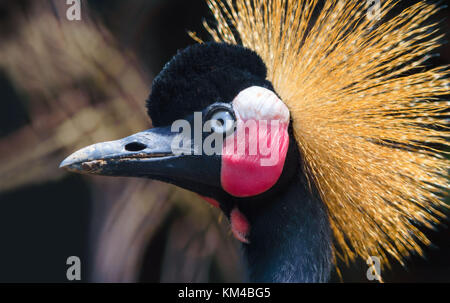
366 111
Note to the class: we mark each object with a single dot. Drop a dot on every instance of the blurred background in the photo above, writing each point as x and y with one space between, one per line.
67 84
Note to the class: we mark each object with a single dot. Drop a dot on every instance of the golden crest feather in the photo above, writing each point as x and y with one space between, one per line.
367 114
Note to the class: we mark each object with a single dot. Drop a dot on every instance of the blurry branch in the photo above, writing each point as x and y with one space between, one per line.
196 243
138 211
80 86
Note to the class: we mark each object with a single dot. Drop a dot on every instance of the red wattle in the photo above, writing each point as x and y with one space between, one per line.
247 173
239 225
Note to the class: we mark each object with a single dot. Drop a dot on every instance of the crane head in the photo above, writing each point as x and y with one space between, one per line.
220 130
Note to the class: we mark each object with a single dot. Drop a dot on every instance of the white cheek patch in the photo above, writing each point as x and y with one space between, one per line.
259 103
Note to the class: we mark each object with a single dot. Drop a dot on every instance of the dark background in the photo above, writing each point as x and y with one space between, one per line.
44 221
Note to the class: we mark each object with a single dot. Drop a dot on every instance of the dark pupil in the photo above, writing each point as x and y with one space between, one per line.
221 121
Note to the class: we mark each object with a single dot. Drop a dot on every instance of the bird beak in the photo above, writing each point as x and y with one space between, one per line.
111 158
145 154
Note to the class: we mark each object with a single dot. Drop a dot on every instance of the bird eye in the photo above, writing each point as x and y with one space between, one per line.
222 121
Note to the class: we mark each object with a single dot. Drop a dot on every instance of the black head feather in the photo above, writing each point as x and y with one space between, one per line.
200 75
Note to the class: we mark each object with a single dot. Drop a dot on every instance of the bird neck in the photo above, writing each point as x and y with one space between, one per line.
290 239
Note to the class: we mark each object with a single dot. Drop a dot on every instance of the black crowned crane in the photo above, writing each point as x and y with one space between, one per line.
338 144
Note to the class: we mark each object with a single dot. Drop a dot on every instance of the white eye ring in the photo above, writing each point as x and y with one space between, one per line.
222 122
